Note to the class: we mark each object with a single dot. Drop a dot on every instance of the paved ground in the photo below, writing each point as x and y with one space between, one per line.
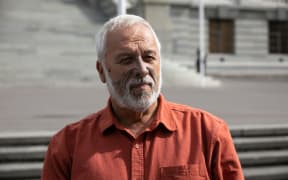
238 101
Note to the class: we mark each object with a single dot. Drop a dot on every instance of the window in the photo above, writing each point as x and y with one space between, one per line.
221 36
278 37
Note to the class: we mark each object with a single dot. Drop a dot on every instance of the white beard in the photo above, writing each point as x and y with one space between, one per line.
127 99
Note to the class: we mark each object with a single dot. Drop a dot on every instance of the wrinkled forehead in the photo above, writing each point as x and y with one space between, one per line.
136 33
130 31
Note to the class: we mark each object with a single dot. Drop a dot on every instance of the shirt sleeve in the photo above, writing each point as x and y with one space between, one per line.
57 163
225 162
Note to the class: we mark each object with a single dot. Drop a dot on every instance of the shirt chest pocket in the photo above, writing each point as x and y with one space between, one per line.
183 172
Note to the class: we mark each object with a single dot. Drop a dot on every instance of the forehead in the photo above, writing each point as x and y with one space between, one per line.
138 34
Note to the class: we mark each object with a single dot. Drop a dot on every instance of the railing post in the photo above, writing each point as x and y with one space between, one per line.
121 7
202 36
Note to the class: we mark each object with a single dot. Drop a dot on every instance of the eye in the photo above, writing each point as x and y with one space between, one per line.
149 58
125 60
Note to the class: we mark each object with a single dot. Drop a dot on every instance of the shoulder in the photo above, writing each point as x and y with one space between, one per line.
200 123
195 114
68 135
196 118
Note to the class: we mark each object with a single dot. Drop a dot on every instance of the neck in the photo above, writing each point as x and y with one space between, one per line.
135 121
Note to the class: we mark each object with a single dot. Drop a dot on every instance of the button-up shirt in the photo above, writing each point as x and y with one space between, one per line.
181 143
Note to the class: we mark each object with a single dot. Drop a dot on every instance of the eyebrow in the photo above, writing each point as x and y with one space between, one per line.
129 53
150 52
123 54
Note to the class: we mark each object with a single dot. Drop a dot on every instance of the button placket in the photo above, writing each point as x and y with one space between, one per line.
137 161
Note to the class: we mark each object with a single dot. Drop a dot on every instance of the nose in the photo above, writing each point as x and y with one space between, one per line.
141 67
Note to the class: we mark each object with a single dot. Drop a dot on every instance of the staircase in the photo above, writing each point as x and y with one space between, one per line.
21 155
48 43
263 152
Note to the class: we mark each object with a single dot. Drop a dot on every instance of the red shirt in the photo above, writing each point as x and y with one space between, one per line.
181 143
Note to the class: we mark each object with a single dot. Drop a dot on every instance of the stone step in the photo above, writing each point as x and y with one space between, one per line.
22 153
26 138
266 173
257 158
260 143
26 170
256 131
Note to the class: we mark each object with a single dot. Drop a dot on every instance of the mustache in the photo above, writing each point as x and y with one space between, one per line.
139 80
132 77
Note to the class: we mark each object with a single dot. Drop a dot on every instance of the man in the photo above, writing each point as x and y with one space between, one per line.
140 135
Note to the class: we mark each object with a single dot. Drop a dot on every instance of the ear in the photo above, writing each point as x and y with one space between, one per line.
100 70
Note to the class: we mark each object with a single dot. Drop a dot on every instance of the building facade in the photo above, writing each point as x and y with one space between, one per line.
236 30
238 33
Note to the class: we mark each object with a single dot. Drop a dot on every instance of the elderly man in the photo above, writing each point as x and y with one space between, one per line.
140 135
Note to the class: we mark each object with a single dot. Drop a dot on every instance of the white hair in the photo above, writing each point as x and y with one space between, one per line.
120 21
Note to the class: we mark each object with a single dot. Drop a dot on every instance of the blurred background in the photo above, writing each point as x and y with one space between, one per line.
239 72
47 58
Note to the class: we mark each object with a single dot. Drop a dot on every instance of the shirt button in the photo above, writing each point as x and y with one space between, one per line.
137 146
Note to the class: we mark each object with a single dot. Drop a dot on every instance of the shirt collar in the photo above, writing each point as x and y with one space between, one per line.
163 116
106 118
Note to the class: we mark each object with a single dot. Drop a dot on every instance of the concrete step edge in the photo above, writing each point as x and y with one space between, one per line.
257 143
22 153
24 138
266 172
20 170
256 130
270 157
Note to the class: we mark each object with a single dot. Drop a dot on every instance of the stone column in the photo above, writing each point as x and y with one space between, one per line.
157 13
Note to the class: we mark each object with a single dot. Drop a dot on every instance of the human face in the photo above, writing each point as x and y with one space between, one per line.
132 67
